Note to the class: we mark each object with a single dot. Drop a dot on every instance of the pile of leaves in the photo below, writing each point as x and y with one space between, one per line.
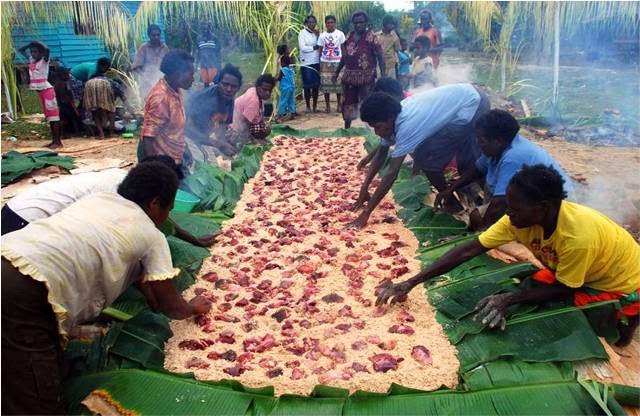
16 164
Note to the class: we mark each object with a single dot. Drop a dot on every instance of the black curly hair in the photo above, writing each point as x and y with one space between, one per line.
497 124
538 183
379 106
176 61
232 70
265 79
168 161
150 180
390 86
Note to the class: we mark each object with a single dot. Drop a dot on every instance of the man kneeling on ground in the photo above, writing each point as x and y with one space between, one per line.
588 256
63 270
504 153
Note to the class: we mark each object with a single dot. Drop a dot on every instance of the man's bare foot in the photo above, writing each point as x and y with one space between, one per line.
54 145
307 110
328 109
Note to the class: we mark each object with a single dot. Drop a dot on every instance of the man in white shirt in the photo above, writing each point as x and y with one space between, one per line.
310 62
331 41
63 270
51 197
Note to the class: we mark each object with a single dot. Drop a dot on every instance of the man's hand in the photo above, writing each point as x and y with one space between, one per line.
396 292
363 162
491 310
441 198
359 222
199 305
362 199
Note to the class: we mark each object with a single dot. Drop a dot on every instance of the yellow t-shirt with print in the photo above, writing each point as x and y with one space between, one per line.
586 249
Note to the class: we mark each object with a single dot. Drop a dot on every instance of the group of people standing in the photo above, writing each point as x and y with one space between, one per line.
348 65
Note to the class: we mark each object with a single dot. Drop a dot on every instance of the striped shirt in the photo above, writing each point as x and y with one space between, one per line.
208 52
38 74
164 120
425 113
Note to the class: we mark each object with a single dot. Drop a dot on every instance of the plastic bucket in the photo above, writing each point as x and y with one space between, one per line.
185 201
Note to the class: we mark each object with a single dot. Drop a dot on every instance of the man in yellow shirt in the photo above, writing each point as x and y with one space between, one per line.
587 255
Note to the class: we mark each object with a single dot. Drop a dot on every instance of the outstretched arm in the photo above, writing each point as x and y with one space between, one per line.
378 162
387 181
368 158
453 258
23 50
163 297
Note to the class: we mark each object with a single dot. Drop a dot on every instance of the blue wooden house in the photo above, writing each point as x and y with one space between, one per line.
66 43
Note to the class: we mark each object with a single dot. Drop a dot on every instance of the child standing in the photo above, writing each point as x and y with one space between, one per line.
38 81
422 67
404 65
287 102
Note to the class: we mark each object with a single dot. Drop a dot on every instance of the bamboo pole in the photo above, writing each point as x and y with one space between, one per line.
503 70
556 59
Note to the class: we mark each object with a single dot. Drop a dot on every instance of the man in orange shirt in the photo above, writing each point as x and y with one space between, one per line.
429 30
164 118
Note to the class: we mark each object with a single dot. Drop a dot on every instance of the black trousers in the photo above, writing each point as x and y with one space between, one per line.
31 351
11 221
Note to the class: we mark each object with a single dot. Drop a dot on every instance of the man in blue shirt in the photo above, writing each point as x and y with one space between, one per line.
504 153
433 126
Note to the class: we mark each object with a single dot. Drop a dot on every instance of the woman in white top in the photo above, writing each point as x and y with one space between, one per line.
310 61
331 41
65 269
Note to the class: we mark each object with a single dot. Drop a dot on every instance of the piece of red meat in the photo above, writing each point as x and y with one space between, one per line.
333 298
388 252
195 362
297 374
358 345
195 344
210 277
257 344
422 355
404 316
227 337
401 329
235 371
385 362
360 368
387 345
267 363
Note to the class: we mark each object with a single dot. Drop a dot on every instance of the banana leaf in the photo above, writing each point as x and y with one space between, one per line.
553 398
458 298
506 373
410 193
431 253
15 164
196 225
141 339
566 337
186 255
156 393
128 305
282 129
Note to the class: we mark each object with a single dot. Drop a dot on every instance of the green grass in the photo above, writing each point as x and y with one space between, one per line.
25 131
250 64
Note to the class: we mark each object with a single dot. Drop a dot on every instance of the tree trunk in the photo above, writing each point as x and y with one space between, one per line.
556 61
